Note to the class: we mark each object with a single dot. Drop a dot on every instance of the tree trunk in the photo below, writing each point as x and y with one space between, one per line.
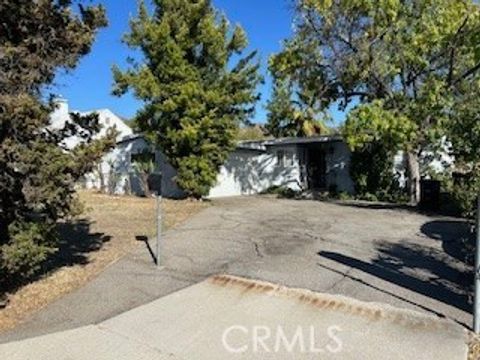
4 236
101 178
413 169
144 180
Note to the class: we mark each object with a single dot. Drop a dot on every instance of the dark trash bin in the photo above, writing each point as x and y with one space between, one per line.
430 194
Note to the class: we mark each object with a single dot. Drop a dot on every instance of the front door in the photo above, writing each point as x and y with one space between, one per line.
316 169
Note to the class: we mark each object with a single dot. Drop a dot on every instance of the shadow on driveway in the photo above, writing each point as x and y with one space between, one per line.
444 274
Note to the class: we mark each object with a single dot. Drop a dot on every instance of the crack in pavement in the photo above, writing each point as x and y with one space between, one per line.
345 275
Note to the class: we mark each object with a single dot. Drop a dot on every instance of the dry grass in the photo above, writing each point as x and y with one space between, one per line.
107 234
474 347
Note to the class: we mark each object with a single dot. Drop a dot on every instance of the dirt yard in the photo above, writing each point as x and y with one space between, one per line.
109 229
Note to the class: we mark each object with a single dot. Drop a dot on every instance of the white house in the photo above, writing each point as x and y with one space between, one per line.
106 118
317 163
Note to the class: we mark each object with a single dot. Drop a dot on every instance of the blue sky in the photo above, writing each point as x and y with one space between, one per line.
267 23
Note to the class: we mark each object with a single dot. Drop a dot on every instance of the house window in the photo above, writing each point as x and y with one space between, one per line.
142 157
285 158
280 158
289 159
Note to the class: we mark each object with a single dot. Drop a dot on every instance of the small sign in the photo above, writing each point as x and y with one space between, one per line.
155 183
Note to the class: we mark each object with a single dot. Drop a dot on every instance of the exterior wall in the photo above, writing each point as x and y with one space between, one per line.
126 179
338 167
439 161
249 172
120 159
246 172
169 186
110 120
106 118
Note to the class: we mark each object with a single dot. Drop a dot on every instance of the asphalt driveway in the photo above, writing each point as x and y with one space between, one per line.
371 253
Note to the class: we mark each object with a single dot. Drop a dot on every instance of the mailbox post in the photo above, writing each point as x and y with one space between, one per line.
155 186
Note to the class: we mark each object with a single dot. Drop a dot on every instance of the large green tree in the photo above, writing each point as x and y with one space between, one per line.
290 114
37 171
405 64
194 91
295 109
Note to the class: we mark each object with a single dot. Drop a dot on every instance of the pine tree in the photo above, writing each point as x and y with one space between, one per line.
195 96
37 173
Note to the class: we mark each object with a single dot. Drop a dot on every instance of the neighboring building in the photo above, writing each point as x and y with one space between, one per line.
106 118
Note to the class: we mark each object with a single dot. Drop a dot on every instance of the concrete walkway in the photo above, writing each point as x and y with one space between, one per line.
234 318
371 254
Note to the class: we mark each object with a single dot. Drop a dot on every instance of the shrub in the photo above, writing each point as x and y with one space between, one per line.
29 246
464 192
372 171
38 171
281 191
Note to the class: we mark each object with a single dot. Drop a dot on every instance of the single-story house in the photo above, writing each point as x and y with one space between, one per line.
319 163
313 163
298 163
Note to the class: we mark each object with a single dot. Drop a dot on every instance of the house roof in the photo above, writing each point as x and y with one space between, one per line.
261 145
256 145
131 137
304 140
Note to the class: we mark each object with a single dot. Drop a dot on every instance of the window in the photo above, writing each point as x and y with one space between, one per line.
280 157
142 157
289 159
285 158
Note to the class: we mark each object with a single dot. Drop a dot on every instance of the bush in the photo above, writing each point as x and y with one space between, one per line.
38 168
371 169
345 196
281 191
464 192
29 246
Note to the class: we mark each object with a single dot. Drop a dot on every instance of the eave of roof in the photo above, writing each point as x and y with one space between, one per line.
130 138
304 140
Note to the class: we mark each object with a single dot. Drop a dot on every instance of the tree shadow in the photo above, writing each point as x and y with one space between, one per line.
374 205
457 237
75 243
422 269
254 174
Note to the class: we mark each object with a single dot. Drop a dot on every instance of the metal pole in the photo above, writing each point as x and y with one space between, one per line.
476 308
159 227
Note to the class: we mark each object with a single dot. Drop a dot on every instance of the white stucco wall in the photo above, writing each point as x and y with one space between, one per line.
110 120
169 186
106 118
127 179
249 172
338 167
120 158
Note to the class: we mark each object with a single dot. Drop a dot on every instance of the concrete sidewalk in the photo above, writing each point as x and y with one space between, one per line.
233 318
